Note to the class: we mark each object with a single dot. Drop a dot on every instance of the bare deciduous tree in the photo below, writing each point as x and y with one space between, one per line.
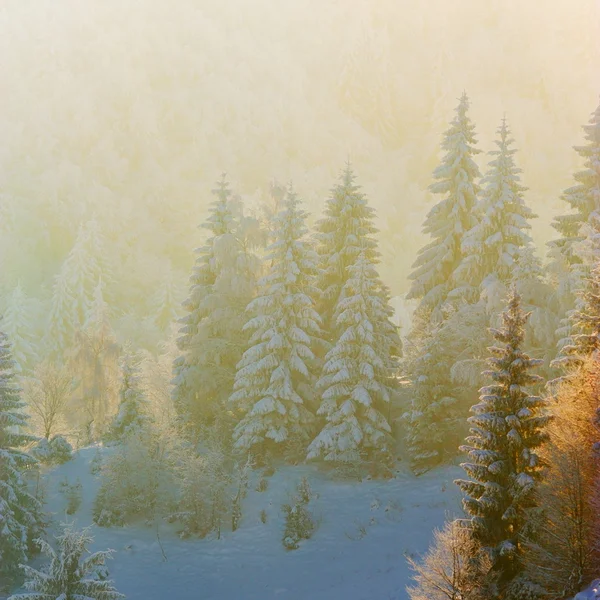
564 554
47 395
453 568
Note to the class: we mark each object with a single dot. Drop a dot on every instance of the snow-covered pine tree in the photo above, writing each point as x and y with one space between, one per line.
506 429
450 219
61 325
212 342
71 575
273 389
17 326
167 304
357 379
433 412
584 200
74 288
584 326
342 234
20 511
491 247
133 410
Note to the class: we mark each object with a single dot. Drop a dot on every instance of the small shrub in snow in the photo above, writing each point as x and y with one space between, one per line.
203 481
69 575
55 451
137 481
96 463
299 523
242 473
262 485
263 516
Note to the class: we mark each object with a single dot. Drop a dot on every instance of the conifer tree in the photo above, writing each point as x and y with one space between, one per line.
61 326
506 430
20 512
584 200
276 375
433 414
584 326
212 342
75 288
357 381
132 415
342 234
16 323
167 304
492 246
451 218
70 575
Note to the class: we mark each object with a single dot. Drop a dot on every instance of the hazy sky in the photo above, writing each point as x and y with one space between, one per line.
133 108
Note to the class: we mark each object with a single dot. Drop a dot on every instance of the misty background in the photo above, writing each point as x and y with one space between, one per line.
128 111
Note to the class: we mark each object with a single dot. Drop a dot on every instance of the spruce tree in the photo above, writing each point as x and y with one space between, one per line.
450 219
71 575
492 246
342 234
584 326
357 379
20 511
444 368
433 414
17 326
61 325
584 200
276 375
132 414
211 340
506 429
75 287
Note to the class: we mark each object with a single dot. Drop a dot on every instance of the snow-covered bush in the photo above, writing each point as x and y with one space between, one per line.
55 451
70 575
203 481
241 475
299 522
96 462
138 480
262 485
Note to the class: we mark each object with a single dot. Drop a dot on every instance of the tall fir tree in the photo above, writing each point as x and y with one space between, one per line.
450 219
344 232
211 340
433 397
506 430
277 373
570 255
492 247
74 288
20 512
444 368
357 381
17 326
584 327
132 415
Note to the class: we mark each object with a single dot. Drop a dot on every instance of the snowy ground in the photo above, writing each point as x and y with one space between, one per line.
385 520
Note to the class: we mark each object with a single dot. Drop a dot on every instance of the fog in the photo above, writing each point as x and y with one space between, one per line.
130 110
